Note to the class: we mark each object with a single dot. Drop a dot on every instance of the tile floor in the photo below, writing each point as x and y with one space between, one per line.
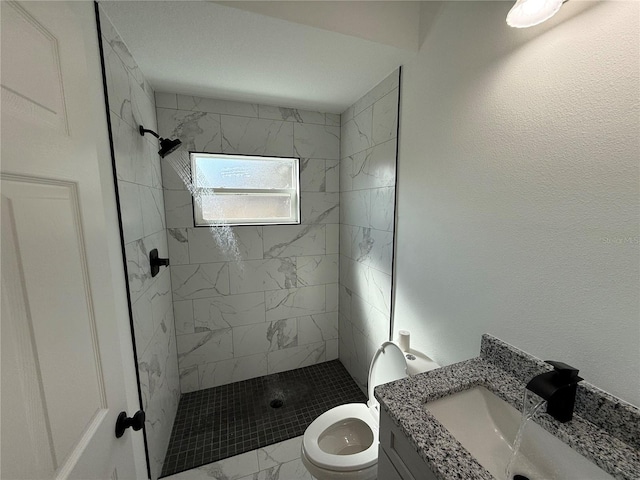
226 421
280 461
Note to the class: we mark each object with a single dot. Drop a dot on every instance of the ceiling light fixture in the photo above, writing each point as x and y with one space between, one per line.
527 13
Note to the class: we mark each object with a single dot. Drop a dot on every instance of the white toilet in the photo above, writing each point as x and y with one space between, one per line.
342 443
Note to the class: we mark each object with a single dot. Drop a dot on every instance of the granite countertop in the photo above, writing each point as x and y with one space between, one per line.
604 429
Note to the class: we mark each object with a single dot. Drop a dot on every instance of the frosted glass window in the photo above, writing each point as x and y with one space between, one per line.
245 190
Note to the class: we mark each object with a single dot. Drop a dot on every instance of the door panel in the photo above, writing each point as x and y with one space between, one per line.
22 396
64 352
39 95
47 227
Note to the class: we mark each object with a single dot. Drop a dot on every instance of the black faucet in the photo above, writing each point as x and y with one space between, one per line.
558 388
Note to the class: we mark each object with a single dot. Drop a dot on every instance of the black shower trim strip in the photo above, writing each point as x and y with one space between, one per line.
124 257
392 308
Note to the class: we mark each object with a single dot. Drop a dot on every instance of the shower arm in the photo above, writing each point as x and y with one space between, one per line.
143 130
167 145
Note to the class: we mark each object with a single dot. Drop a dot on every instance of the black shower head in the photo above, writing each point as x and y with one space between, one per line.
166 145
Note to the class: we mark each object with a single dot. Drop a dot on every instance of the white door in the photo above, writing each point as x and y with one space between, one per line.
66 365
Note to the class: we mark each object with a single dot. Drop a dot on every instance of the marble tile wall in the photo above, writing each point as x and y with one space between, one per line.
131 103
276 308
367 206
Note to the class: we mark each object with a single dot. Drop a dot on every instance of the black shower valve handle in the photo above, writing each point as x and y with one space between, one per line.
157 262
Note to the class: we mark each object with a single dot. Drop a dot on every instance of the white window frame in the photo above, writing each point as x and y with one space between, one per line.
293 193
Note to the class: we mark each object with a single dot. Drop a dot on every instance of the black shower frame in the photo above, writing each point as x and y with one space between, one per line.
392 307
120 228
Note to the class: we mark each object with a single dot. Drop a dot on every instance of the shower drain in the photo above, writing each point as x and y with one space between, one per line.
277 403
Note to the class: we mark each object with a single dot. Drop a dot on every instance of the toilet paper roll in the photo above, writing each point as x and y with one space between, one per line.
404 340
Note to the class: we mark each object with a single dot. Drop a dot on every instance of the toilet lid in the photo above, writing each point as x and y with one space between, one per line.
388 364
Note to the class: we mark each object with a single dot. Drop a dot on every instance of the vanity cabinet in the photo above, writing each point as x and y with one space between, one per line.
397 458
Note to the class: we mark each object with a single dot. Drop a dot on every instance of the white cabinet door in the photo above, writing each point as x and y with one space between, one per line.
64 353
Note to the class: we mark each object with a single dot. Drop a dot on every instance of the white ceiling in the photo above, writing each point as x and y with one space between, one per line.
390 22
213 50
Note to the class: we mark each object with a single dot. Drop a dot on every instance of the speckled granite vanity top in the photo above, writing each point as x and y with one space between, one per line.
604 429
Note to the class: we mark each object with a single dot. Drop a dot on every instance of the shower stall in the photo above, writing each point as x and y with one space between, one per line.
250 334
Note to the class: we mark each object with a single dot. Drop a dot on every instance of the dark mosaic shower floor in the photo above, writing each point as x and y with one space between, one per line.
220 422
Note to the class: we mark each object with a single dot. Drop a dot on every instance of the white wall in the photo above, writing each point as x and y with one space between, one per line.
518 188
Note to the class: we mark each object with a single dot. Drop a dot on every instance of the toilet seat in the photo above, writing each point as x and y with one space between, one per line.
353 422
328 441
335 462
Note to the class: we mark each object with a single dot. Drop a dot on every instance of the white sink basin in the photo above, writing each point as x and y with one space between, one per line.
486 426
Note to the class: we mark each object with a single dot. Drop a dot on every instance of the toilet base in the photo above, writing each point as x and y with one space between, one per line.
369 473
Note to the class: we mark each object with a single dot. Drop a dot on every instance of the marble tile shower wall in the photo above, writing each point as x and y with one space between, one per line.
367 204
131 103
276 308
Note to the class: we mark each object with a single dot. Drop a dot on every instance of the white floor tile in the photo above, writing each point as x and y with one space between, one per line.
232 468
278 453
280 461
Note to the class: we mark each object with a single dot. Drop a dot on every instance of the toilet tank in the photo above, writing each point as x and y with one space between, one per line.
418 362
390 363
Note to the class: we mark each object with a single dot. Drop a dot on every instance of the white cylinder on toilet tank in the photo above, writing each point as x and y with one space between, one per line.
404 340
